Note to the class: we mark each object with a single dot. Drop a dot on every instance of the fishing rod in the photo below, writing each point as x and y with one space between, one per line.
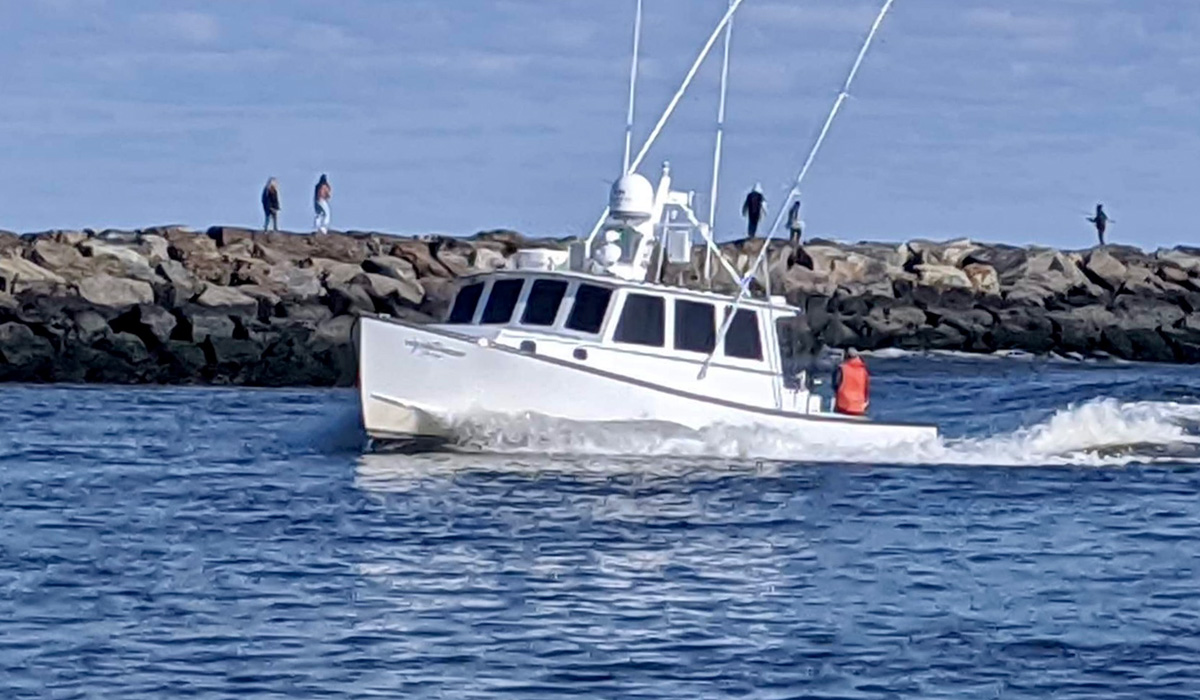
744 283
633 75
716 171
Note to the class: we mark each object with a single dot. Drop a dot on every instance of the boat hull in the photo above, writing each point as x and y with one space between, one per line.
421 382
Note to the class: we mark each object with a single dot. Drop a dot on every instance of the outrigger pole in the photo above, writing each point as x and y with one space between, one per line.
716 173
687 81
744 284
633 75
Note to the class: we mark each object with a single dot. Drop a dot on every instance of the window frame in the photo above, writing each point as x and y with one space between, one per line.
664 321
723 350
558 312
573 295
482 285
516 302
675 325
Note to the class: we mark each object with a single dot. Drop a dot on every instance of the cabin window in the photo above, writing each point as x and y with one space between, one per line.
591 303
695 326
541 307
742 340
465 303
502 301
642 321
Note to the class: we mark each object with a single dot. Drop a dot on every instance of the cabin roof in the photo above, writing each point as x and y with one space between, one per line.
663 289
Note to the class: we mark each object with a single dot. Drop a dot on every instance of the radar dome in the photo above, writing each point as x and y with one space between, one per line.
632 198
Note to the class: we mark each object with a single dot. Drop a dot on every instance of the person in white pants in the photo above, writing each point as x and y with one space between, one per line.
321 198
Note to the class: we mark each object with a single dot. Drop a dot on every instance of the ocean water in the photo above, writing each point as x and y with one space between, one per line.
159 542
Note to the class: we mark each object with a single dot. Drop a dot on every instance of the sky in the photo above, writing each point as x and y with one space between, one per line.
1000 121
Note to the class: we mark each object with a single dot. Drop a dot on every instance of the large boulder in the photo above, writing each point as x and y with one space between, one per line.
115 293
227 299
1081 329
390 266
16 272
983 278
948 253
26 356
1024 328
333 272
942 276
55 255
97 248
199 255
381 287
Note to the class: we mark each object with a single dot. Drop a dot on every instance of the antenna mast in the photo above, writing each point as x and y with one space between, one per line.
716 172
633 74
662 120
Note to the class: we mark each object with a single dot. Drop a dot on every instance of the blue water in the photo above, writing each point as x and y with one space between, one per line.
238 543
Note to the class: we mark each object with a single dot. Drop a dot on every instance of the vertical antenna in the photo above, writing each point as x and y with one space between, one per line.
633 71
716 172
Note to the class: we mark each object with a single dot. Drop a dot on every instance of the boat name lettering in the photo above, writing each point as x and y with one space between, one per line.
431 349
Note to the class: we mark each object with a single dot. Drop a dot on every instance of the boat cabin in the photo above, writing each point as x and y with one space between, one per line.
639 331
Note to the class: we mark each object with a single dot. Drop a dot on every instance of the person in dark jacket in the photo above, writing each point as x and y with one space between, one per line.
270 205
1100 221
795 225
754 208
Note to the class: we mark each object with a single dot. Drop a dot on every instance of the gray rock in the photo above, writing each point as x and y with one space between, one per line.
380 287
24 353
16 273
155 322
333 272
390 266
209 324
97 248
335 331
91 326
54 255
116 293
229 299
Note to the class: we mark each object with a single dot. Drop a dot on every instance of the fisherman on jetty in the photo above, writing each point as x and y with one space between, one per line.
270 205
754 208
1100 221
795 225
853 385
321 197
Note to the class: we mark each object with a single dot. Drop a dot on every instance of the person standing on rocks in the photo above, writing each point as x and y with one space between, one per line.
853 385
754 208
321 197
1100 221
795 225
270 205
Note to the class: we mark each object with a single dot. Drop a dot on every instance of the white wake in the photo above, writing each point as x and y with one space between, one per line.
1100 432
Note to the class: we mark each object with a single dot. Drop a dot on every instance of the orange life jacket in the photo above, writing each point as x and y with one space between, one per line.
854 389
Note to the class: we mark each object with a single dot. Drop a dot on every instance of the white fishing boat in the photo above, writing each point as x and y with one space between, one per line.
602 339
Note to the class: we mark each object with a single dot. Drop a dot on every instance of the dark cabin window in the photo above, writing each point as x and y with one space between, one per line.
743 340
695 326
465 303
642 321
502 301
541 307
591 303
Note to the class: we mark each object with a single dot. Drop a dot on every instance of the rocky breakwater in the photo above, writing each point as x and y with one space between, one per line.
231 306
225 306
1110 301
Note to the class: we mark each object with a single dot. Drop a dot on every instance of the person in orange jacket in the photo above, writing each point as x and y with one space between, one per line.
853 383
